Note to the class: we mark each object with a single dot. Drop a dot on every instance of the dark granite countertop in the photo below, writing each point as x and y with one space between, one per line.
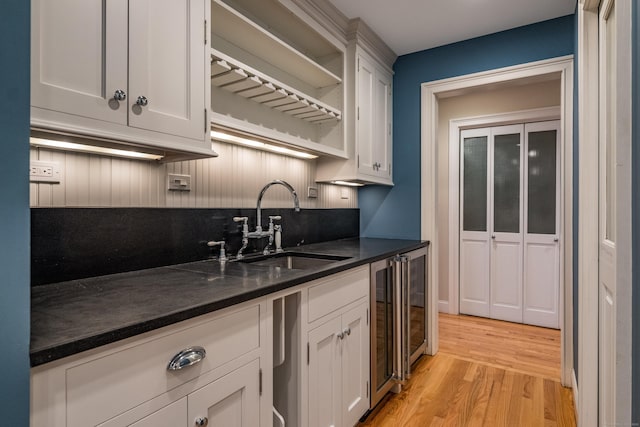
78 315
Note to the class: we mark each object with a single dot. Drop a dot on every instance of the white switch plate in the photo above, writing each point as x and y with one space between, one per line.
41 171
178 182
344 193
312 192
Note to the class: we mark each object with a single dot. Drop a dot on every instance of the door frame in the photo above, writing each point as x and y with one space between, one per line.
430 93
589 103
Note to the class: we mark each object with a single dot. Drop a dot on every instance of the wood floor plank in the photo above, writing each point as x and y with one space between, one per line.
488 373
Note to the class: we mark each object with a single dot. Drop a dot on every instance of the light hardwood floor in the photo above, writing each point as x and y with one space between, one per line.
487 373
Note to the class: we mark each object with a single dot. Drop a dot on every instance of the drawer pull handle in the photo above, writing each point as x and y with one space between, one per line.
187 357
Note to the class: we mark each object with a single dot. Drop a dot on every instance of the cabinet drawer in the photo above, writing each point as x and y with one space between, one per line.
107 386
331 293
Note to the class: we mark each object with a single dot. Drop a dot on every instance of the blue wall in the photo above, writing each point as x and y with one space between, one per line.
635 206
14 211
395 212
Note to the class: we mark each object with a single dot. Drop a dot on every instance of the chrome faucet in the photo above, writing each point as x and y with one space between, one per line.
296 202
273 228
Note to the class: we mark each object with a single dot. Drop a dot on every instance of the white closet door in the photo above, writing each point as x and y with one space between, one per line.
474 230
542 224
506 148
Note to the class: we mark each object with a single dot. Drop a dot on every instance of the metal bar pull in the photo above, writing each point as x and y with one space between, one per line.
406 317
187 357
397 320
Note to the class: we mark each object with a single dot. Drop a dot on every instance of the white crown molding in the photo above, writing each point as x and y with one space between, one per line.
327 15
370 42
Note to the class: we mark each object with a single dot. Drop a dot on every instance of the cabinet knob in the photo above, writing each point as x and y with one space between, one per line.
119 95
142 101
341 335
202 421
347 331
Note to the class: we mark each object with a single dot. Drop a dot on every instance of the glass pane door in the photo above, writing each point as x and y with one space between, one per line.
541 215
506 184
475 184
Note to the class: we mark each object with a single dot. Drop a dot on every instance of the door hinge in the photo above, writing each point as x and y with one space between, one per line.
260 381
367 316
358 158
308 353
389 169
206 124
358 114
367 388
205 31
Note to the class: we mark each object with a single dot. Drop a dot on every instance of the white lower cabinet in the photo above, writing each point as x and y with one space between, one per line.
169 416
231 401
300 356
339 369
338 349
128 383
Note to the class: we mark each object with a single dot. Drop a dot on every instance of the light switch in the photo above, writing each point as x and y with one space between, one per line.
179 182
344 193
312 192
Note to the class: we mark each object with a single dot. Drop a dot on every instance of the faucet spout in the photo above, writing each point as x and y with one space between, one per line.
296 202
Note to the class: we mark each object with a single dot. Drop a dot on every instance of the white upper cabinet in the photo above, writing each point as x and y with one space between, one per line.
77 63
133 71
369 112
373 119
166 63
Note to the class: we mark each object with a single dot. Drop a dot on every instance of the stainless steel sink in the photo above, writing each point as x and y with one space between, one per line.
294 260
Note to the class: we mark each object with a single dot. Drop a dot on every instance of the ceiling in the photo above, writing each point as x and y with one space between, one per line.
411 25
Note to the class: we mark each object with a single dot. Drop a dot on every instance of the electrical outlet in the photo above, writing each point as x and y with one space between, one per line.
178 182
41 171
312 192
344 193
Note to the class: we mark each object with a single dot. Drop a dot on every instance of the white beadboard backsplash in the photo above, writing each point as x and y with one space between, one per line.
232 180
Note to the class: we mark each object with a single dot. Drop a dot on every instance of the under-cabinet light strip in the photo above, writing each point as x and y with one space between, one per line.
348 183
260 145
92 149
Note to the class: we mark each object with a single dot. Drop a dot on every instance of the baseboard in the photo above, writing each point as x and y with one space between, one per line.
574 387
443 306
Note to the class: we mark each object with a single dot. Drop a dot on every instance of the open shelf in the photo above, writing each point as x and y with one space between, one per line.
240 79
231 25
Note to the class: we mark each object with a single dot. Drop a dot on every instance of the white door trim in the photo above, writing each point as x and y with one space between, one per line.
455 126
588 242
429 129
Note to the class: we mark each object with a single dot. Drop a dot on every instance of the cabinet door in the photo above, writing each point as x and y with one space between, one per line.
325 377
355 364
231 401
167 66
381 124
365 114
79 57
172 415
373 119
